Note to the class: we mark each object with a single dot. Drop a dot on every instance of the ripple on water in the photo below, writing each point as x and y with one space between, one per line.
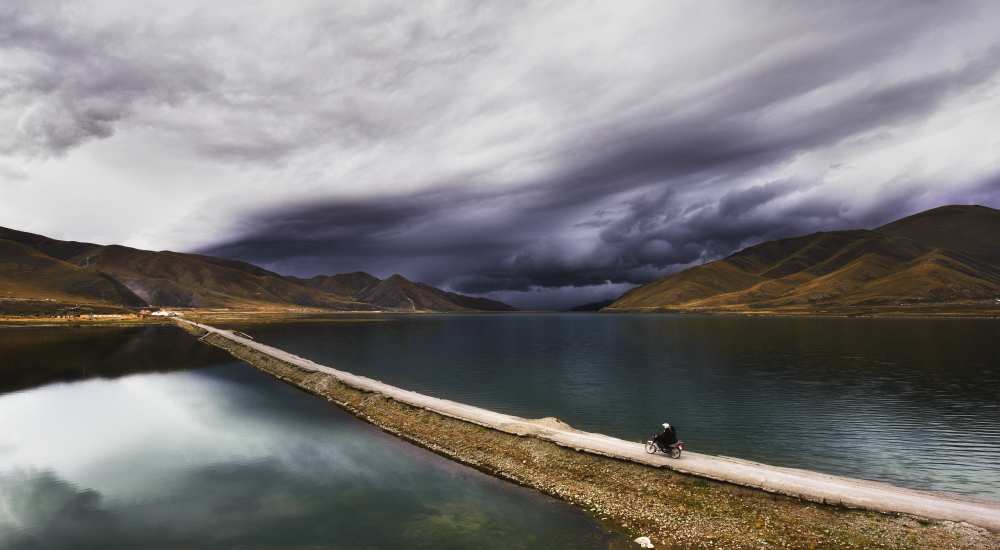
910 402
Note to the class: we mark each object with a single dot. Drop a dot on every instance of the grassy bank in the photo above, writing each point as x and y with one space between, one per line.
83 320
977 310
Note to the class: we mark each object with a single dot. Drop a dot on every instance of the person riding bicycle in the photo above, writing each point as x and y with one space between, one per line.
667 438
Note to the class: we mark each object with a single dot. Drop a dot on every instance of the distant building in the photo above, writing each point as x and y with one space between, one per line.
164 313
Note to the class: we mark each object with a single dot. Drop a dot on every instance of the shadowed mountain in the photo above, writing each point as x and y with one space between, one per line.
973 230
174 279
346 284
189 280
593 306
38 356
948 255
399 293
42 275
33 281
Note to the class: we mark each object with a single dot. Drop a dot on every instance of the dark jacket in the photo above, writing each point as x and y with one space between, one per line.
668 437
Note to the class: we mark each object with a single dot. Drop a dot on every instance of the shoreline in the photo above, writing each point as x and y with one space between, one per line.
121 321
615 487
251 316
267 315
841 314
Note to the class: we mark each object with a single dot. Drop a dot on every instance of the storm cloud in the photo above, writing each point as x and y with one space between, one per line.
537 153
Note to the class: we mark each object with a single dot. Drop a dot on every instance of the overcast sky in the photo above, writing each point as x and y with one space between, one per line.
544 153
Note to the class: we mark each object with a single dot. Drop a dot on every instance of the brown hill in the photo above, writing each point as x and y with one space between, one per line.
33 281
43 275
399 293
190 280
970 229
347 284
947 255
170 279
62 250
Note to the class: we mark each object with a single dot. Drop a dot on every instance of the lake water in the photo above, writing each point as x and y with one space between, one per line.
911 402
145 438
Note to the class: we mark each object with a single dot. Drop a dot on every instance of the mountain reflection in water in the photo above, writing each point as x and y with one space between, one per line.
34 356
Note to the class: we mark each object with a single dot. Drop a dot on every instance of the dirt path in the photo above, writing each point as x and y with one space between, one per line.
807 485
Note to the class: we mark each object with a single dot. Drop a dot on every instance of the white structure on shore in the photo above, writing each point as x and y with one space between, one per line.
164 313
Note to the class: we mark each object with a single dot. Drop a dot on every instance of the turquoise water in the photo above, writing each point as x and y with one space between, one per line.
912 402
143 438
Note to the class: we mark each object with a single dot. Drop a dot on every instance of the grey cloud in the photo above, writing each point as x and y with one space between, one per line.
12 174
688 208
235 508
645 152
220 89
735 203
369 82
72 84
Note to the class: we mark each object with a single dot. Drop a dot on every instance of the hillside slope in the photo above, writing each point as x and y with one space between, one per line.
948 255
970 229
399 293
48 275
347 284
33 281
171 279
190 280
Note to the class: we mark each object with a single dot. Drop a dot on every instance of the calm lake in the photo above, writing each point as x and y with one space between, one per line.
145 438
912 402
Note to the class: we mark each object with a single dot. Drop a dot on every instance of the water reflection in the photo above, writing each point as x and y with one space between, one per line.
33 356
224 456
266 506
912 402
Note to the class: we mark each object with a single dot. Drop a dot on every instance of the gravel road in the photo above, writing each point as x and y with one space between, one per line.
804 484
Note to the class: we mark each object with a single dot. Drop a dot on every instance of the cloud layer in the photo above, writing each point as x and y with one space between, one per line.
520 150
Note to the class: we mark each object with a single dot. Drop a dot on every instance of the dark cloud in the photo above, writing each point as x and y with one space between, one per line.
648 199
508 149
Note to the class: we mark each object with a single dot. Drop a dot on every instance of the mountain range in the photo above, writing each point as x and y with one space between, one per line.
947 257
39 275
397 292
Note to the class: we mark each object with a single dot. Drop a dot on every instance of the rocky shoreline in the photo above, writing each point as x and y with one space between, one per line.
674 510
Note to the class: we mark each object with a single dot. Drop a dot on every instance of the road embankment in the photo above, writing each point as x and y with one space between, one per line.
697 501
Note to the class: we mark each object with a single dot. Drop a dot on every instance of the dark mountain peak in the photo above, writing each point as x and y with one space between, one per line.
352 276
967 228
346 284
593 306
61 250
945 211
396 278
398 292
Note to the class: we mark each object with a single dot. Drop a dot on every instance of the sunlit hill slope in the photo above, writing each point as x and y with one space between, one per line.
945 257
39 275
